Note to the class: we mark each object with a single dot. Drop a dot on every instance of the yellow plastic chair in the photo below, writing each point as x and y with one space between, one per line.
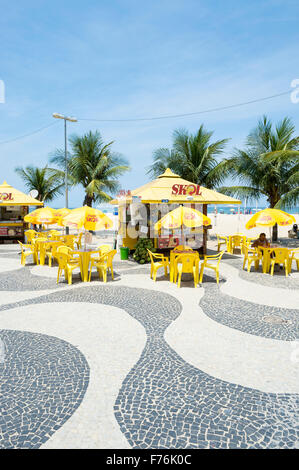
280 256
221 240
53 234
26 250
102 250
66 264
251 255
68 251
37 247
211 262
78 240
294 256
162 262
51 252
103 265
237 241
187 264
69 240
30 235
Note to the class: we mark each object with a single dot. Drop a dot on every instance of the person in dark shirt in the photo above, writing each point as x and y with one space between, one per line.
261 241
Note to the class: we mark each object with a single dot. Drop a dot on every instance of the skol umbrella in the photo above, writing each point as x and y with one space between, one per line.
88 218
60 213
270 217
45 215
183 216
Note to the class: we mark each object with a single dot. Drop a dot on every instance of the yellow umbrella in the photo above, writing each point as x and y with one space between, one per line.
45 215
270 217
88 218
183 216
60 213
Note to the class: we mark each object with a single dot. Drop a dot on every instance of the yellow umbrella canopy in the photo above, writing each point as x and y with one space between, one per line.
270 217
88 218
183 216
45 215
60 213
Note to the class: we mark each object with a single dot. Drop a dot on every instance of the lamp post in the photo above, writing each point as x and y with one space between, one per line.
71 119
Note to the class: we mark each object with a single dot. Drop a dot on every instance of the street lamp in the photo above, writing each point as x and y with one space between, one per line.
71 119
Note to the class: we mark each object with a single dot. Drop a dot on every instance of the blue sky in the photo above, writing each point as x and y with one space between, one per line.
122 59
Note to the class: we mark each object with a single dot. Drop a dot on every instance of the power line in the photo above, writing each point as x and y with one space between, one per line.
29 134
154 118
172 116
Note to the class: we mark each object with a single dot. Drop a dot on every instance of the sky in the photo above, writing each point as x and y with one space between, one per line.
120 59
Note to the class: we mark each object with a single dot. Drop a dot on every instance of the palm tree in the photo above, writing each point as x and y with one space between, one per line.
92 164
193 157
268 166
43 180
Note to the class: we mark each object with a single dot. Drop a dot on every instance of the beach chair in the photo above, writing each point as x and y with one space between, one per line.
251 255
211 262
158 261
187 263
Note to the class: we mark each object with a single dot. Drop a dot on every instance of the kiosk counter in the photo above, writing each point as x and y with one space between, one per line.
14 205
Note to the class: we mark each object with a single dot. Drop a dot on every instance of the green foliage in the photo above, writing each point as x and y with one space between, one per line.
141 254
269 165
45 181
92 164
193 157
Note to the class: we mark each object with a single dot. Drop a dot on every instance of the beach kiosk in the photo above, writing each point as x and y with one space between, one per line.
14 205
158 197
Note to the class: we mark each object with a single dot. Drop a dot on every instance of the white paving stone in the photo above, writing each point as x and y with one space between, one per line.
9 264
253 292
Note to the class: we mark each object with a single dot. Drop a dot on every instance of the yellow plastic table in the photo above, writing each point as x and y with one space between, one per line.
266 251
84 256
42 249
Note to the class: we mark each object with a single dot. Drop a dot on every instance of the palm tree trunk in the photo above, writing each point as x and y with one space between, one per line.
275 233
88 200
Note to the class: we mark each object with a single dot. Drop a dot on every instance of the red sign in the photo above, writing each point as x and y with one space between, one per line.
186 190
6 197
92 218
124 193
168 242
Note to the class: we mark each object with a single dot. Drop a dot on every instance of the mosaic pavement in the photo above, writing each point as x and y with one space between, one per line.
43 381
279 279
164 402
255 319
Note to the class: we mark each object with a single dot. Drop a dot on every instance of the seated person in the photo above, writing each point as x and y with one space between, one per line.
293 233
261 241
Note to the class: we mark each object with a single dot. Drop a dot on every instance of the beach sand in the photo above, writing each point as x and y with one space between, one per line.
228 224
